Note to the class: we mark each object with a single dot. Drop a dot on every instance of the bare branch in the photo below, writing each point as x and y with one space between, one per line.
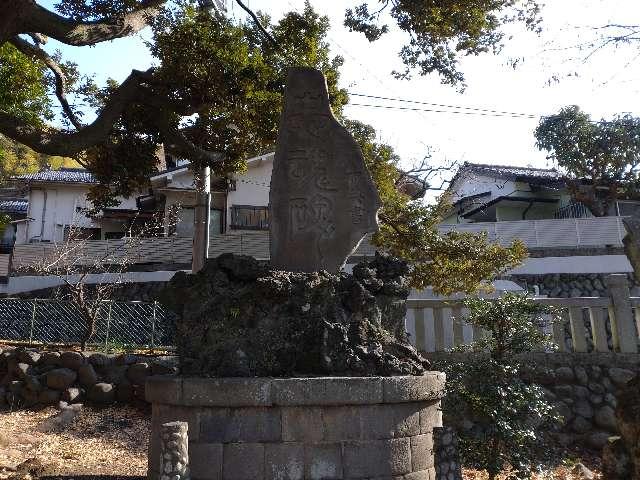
35 51
256 20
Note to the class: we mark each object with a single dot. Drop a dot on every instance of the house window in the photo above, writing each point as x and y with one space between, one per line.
628 208
184 226
83 233
249 217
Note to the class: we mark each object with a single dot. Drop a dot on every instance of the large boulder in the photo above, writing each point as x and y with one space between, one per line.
102 393
72 360
61 378
313 323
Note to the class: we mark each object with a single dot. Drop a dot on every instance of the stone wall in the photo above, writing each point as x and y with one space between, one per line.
583 387
566 285
30 377
300 428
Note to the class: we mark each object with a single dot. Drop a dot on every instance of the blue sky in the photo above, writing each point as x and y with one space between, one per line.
605 85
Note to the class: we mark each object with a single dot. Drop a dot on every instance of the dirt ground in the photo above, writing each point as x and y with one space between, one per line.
111 443
100 442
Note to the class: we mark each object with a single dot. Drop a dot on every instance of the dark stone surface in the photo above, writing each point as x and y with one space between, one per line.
239 318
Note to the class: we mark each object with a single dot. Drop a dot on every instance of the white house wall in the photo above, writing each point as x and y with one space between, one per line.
62 202
252 188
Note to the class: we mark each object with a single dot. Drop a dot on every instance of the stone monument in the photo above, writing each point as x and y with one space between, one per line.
297 370
322 199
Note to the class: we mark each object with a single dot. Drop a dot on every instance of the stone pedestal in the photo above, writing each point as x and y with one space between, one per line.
301 428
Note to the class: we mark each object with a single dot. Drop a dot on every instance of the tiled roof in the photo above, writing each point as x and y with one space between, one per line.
14 206
64 175
514 172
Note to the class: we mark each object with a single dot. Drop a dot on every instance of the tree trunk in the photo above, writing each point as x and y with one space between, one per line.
202 214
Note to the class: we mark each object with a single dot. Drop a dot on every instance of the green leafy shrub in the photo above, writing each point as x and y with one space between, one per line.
504 412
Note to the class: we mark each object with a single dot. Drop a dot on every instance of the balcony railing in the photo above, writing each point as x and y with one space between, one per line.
557 233
161 250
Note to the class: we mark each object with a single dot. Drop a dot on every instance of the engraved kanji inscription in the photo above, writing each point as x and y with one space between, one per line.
322 199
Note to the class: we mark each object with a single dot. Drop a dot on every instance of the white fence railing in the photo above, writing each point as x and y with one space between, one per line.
156 250
588 324
566 232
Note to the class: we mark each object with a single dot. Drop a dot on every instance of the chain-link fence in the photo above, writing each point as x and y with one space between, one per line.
121 324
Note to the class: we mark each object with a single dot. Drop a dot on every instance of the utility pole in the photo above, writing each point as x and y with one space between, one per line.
201 219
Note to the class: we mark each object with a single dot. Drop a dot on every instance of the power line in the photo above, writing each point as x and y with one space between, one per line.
459 107
414 109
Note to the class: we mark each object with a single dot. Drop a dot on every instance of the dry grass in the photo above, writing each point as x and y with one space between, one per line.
113 442
109 441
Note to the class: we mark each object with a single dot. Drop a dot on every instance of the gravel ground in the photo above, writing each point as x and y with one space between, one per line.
111 444
100 442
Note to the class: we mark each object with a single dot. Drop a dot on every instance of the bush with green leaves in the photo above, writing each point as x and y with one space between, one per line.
501 413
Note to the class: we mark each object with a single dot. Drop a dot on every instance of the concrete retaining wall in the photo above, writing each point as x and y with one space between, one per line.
301 428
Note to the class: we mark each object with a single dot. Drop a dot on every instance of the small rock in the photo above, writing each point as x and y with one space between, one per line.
61 378
29 357
114 373
73 395
48 396
33 384
620 376
62 419
50 358
605 418
580 425
138 373
581 375
564 375
87 375
583 408
124 392
72 360
126 359
102 393
100 359
582 471
580 391
22 370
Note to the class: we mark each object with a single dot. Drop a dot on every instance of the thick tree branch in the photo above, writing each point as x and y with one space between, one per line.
33 50
79 33
52 141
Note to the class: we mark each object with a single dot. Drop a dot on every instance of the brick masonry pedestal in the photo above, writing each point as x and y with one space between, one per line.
301 428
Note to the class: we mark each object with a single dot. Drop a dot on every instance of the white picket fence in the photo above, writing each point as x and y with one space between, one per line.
437 325
553 233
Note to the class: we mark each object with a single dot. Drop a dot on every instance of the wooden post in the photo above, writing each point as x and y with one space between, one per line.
201 220
578 332
623 328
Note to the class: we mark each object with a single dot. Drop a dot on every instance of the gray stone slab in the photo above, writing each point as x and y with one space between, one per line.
302 424
327 391
227 392
205 461
322 198
341 423
323 461
375 458
243 461
284 461
415 388
430 416
164 389
390 421
252 424
421 452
